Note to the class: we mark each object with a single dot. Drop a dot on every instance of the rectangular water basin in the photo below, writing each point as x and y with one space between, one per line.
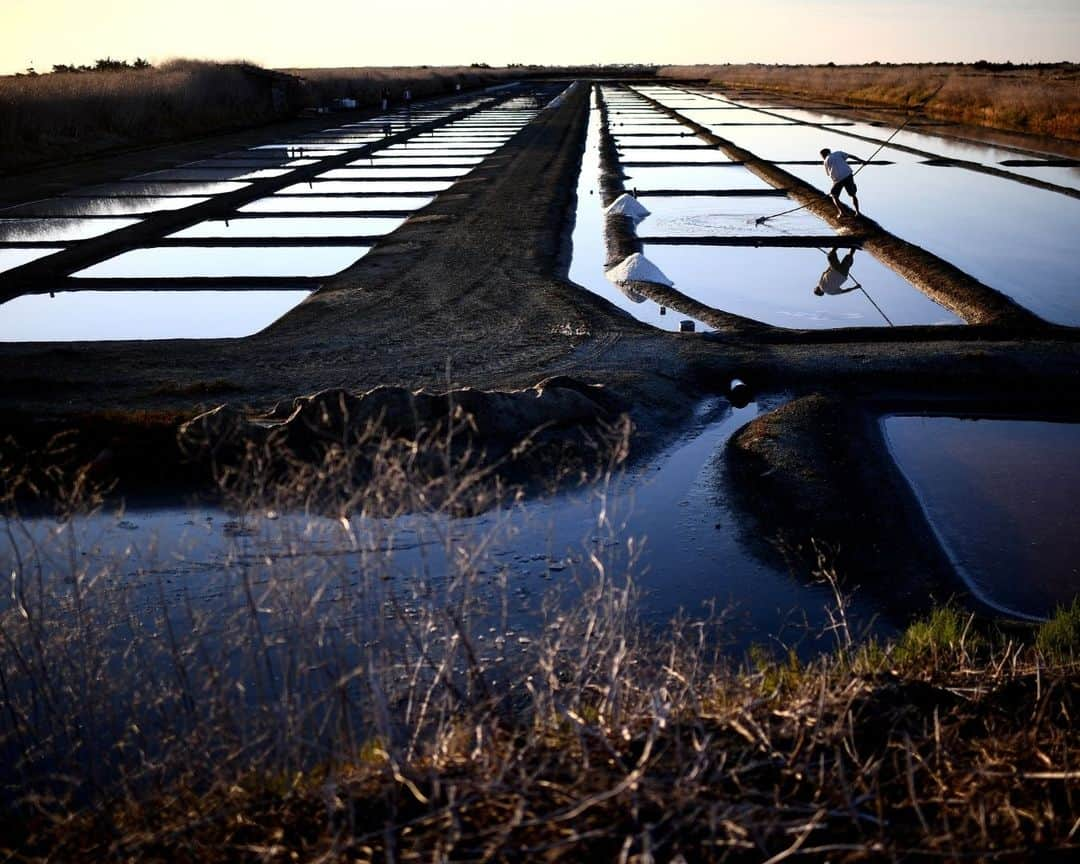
777 286
703 154
1001 496
376 173
72 207
12 258
359 187
144 189
698 177
122 315
58 230
337 204
719 216
174 262
297 226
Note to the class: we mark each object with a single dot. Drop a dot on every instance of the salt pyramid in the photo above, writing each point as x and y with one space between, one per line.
637 268
627 205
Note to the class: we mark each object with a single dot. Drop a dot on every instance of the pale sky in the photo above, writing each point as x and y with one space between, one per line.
324 33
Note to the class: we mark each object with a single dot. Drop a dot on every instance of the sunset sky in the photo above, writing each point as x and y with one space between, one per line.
448 32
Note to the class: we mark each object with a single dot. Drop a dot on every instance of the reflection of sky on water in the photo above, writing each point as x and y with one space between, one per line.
647 154
355 187
100 315
1001 495
58 230
146 189
705 216
10 258
1016 238
777 286
71 206
1062 176
692 178
171 262
727 116
341 204
216 172
370 173
300 226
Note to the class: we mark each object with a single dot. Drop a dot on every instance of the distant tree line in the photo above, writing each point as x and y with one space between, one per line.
104 64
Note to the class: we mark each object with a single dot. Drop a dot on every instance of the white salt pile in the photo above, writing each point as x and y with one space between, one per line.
637 268
627 205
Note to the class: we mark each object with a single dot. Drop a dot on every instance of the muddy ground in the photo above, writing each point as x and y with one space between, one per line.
472 293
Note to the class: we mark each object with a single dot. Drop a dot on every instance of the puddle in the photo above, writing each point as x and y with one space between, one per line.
1018 239
58 230
297 226
11 258
338 204
693 178
687 545
174 262
587 240
777 286
1001 496
359 187
72 206
719 216
125 315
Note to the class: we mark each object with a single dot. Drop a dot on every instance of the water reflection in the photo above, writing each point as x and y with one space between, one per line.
58 230
103 315
720 216
170 262
1001 496
777 286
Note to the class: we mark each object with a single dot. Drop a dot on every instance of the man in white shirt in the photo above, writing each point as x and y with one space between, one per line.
836 166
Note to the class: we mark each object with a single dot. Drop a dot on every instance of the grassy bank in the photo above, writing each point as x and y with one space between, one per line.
1044 100
314 696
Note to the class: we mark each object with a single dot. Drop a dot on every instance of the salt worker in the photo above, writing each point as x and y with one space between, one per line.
836 166
833 279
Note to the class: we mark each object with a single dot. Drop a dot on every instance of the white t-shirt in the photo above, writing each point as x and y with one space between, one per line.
832 281
836 166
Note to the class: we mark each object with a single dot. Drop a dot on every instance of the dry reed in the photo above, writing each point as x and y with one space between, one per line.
1042 100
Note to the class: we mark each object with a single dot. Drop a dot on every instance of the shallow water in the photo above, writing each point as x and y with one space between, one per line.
719 216
340 204
706 155
72 207
169 262
104 315
11 258
145 189
688 551
1001 496
358 187
776 286
58 230
356 172
299 226
692 178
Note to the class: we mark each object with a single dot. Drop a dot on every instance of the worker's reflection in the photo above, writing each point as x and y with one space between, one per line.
833 279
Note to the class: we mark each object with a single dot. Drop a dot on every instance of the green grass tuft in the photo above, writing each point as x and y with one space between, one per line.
1059 638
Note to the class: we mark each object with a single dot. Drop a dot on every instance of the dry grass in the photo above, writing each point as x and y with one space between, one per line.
65 115
1043 100
314 699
